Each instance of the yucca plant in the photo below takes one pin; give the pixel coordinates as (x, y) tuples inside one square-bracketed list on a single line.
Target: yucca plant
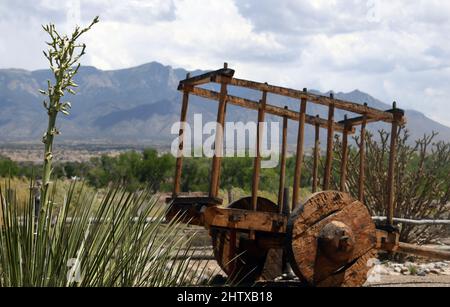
[(123, 241)]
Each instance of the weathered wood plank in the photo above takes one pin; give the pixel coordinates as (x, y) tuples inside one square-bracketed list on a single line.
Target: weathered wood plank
[(257, 161), (218, 145), (413, 222), (270, 109), (316, 155), (356, 121), (329, 154), (427, 252), (391, 171), (299, 155), (245, 220), (362, 161), (344, 161), (207, 77), (179, 163), (322, 100), (283, 165)]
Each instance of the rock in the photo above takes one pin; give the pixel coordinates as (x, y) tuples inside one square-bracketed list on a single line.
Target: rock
[(397, 269), (421, 273), (435, 271), (405, 271), (380, 270), (440, 265)]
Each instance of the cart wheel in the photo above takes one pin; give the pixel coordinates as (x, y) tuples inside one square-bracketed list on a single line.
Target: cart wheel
[(245, 262), (331, 239)]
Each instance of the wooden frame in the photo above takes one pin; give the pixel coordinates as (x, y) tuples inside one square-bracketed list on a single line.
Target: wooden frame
[(366, 115), (270, 228)]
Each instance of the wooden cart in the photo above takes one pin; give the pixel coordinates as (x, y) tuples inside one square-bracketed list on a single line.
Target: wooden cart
[(330, 239)]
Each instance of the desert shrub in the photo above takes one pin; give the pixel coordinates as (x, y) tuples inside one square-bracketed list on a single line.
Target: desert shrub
[(422, 181)]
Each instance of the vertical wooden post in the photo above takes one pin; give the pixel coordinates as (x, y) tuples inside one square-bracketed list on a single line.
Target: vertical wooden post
[(362, 160), (316, 157), (283, 164), (391, 172), (330, 141), (299, 157), (218, 145), (179, 163), (344, 157), (232, 253), (230, 195), (286, 203), (257, 161)]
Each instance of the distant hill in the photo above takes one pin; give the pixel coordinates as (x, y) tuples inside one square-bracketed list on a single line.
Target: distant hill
[(139, 105)]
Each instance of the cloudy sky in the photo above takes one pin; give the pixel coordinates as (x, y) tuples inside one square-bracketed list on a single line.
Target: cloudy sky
[(392, 49)]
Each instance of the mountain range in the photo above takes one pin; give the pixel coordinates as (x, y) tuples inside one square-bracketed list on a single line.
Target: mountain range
[(139, 105)]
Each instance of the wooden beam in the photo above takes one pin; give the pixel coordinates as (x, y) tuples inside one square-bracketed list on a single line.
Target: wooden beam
[(218, 144), (316, 155), (317, 99), (387, 241), (190, 209), (270, 109), (257, 161), (245, 220), (283, 164), (330, 142), (362, 161), (179, 163), (413, 222), (208, 77), (344, 161), (427, 252), (390, 188), (356, 121), (299, 155)]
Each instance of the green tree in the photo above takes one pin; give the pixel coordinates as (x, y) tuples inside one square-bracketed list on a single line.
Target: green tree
[(156, 170), (8, 167)]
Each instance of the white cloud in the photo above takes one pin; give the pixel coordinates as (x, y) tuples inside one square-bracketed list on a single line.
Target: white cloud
[(393, 49)]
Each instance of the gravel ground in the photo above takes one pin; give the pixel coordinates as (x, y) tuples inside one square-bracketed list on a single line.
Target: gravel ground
[(412, 281), (390, 279)]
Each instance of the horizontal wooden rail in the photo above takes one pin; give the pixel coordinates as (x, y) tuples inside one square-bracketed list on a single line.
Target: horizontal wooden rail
[(317, 99), (245, 220), (207, 77), (427, 252), (356, 121), (270, 109), (413, 222)]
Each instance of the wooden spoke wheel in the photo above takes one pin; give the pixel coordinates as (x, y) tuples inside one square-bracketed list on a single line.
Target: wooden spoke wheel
[(245, 261), (331, 240)]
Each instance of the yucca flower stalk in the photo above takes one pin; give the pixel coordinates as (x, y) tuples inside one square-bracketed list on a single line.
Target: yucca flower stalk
[(63, 55)]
